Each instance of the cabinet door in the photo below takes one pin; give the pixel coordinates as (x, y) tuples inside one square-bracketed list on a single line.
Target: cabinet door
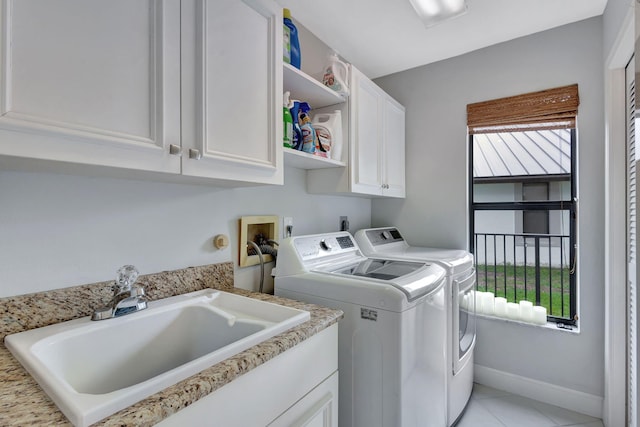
[(91, 82), (232, 90), (366, 136), (394, 151), (319, 408)]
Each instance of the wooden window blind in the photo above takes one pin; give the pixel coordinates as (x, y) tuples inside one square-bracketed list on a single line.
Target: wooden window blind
[(548, 109)]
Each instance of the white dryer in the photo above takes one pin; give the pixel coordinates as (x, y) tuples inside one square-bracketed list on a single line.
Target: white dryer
[(391, 348), (461, 326)]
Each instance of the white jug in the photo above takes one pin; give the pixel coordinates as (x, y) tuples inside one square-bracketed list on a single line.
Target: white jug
[(328, 126), (336, 75)]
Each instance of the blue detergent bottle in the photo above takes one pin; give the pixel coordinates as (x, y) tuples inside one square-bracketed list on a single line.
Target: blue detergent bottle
[(294, 44), (297, 131)]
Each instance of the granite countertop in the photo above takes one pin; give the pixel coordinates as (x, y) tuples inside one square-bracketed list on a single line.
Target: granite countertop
[(22, 401)]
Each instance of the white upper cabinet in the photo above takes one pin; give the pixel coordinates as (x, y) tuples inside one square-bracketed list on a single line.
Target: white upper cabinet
[(366, 136), (376, 145), (191, 88), (91, 82), (393, 149), (377, 139), (232, 90)]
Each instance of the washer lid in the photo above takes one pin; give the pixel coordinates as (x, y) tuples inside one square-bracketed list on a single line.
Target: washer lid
[(414, 279), (383, 269)]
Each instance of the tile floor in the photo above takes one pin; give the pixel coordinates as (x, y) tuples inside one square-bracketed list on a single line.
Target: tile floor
[(490, 407)]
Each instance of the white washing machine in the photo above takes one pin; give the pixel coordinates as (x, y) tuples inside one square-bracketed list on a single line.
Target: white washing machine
[(461, 326), (391, 340)]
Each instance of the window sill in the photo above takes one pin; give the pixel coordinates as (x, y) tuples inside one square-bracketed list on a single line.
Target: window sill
[(551, 326)]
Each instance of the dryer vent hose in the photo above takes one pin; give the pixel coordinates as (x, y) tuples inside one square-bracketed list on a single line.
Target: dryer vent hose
[(266, 247)]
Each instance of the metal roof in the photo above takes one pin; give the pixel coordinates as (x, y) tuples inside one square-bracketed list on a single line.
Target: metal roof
[(522, 154)]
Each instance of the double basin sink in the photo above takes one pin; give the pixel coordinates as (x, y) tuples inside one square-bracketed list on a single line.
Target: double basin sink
[(94, 369)]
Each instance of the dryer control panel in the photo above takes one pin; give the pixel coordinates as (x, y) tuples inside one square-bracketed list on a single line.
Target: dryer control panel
[(384, 236)]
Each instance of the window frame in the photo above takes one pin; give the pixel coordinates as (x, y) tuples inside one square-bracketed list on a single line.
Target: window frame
[(549, 205)]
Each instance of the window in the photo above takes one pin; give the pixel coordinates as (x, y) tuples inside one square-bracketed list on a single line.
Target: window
[(522, 198), (535, 222)]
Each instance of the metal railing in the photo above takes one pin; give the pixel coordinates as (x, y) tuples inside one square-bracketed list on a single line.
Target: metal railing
[(533, 267)]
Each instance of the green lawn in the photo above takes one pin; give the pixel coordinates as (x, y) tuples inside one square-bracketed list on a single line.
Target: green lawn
[(554, 285)]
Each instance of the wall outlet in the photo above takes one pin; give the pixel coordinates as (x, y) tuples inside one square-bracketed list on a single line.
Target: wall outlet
[(344, 223), (287, 226)]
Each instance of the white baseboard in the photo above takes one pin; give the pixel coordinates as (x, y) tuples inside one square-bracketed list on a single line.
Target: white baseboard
[(552, 394)]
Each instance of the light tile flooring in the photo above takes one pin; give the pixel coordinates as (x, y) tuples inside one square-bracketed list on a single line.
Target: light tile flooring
[(490, 407)]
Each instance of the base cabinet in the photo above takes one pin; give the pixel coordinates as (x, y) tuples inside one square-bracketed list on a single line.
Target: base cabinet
[(376, 145), (319, 408), (297, 388)]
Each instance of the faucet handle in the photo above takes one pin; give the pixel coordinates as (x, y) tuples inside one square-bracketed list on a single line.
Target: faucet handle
[(127, 276)]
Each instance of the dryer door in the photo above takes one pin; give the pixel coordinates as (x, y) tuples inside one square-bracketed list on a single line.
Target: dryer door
[(464, 320)]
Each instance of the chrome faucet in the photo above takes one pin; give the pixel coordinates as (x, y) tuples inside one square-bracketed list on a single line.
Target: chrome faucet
[(127, 296)]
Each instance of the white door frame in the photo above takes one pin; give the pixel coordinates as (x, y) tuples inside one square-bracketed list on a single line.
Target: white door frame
[(614, 408)]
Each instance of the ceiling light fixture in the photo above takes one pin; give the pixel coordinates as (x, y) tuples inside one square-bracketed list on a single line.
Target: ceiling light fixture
[(433, 12)]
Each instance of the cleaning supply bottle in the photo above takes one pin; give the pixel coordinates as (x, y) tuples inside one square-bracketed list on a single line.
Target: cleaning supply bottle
[(328, 127), (294, 44), (286, 44), (308, 134), (336, 75), (323, 142), (296, 141), (287, 120), (304, 109)]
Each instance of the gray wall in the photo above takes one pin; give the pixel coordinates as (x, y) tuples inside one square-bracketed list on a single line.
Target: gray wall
[(59, 230), (613, 17), (435, 211)]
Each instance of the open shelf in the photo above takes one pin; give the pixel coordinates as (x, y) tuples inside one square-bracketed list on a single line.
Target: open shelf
[(308, 89), (302, 160)]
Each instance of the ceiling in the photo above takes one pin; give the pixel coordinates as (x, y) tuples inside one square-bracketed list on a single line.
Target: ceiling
[(382, 37)]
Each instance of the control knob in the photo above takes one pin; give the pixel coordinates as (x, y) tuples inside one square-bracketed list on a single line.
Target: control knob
[(324, 245)]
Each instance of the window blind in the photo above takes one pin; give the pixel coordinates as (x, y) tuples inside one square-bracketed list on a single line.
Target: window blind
[(548, 109)]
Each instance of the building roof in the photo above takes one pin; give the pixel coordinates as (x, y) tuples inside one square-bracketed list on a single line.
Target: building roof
[(521, 154)]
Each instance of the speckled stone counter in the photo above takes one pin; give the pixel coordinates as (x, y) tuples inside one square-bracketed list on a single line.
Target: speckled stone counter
[(22, 401)]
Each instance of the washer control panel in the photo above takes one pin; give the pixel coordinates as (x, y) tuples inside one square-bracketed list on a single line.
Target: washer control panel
[(384, 236), (319, 246)]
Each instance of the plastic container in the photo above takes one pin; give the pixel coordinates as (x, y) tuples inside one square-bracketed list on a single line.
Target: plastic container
[(336, 75), (286, 44), (287, 121), (295, 56), (296, 141), (308, 134), (304, 110), (328, 127)]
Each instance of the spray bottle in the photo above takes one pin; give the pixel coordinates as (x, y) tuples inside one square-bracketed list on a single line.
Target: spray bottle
[(287, 120), (296, 141)]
